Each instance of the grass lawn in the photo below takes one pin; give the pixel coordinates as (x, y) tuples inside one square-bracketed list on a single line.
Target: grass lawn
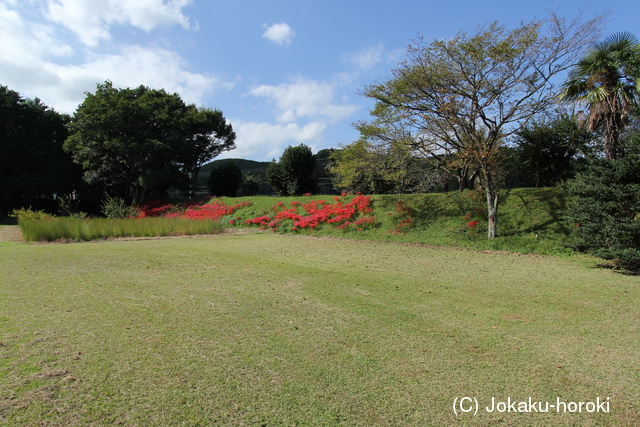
[(268, 330)]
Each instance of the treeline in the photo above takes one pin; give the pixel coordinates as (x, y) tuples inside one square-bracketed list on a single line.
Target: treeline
[(34, 168), (126, 143)]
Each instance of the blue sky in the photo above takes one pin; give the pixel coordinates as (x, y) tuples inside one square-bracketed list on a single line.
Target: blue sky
[(283, 72)]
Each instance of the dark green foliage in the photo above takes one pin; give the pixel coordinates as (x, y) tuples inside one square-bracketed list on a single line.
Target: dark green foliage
[(225, 180), (547, 152), (605, 212), (293, 174), (250, 185), (630, 138), (145, 140), (208, 135), (128, 137), (34, 169)]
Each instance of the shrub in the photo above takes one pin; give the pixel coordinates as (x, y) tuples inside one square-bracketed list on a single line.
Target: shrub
[(605, 210), (115, 207), (69, 207), (29, 214)]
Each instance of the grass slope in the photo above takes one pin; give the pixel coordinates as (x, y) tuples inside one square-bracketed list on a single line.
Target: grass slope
[(530, 219), (268, 330)]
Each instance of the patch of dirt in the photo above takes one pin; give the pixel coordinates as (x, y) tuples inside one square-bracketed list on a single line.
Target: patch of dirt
[(10, 233)]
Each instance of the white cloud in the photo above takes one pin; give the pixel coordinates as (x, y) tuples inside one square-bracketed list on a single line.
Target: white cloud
[(25, 49), (133, 66), (28, 53), (268, 140), (304, 98), (366, 58), (90, 19), (25, 43), (301, 99), (281, 33)]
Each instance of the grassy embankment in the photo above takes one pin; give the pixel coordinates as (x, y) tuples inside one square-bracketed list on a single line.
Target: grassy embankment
[(529, 220), (263, 329)]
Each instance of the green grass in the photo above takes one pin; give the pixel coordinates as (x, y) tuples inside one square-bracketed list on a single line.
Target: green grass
[(264, 329), (79, 229), (530, 220)]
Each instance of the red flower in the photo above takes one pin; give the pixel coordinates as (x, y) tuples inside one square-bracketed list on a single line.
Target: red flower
[(318, 212)]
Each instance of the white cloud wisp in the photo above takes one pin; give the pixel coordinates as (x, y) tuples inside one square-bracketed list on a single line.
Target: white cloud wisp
[(281, 33)]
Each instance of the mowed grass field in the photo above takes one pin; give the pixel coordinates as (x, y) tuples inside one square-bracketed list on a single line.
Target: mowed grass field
[(271, 330)]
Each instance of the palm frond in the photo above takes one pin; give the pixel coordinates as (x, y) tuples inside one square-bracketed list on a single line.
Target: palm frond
[(618, 42)]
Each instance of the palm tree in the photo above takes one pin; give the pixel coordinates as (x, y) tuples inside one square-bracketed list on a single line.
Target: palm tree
[(607, 79)]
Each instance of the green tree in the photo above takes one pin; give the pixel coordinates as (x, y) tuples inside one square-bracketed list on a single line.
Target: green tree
[(389, 132), (225, 180), (364, 167), (607, 79), (386, 159), (466, 94), (293, 174), (34, 169), (208, 135), (605, 209), (547, 151), (354, 168), (144, 139), (250, 185)]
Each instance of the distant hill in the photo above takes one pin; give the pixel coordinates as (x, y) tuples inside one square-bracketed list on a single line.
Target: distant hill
[(260, 168), (246, 166)]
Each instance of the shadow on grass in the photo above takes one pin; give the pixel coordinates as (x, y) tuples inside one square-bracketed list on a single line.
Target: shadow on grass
[(627, 270), (426, 209), (534, 211)]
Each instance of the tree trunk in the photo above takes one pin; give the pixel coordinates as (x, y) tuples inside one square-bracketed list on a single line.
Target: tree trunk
[(193, 184), (138, 193), (492, 204)]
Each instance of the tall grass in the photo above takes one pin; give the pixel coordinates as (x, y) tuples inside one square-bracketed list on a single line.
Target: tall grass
[(84, 229)]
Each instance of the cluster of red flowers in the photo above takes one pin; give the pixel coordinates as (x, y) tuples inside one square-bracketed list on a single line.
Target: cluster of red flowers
[(476, 211), (316, 212), (154, 208), (191, 210), (479, 213), (403, 216)]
